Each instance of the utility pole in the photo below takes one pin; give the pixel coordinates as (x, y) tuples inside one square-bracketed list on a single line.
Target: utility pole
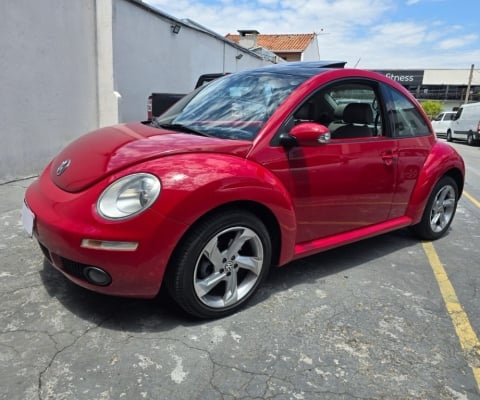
[(467, 95)]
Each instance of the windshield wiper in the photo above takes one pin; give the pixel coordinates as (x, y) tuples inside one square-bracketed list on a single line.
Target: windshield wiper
[(180, 128)]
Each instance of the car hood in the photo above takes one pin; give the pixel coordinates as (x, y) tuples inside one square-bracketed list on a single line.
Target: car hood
[(105, 151)]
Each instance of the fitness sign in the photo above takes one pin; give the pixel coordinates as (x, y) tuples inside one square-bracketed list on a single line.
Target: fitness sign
[(404, 77)]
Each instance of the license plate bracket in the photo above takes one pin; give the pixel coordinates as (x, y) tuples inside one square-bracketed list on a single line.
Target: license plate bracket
[(28, 220)]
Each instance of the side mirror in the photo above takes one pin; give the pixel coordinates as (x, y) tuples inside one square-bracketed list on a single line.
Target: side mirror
[(308, 134)]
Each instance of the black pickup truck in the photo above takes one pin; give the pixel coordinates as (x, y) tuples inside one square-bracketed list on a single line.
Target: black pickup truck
[(160, 102)]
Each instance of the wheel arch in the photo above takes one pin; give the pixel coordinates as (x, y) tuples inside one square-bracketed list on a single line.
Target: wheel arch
[(457, 176), (443, 161), (259, 210)]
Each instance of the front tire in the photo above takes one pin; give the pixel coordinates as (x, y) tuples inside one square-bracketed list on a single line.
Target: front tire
[(219, 264), (439, 211), (449, 136)]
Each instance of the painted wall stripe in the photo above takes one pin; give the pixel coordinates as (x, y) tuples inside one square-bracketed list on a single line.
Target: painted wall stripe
[(468, 339), (471, 198)]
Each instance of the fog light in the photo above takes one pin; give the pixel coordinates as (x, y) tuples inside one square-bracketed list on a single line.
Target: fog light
[(97, 276)]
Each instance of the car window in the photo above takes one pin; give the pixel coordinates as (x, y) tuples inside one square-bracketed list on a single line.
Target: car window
[(348, 109), (405, 119), (450, 116)]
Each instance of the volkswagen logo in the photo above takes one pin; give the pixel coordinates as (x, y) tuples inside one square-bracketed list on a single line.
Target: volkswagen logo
[(63, 166)]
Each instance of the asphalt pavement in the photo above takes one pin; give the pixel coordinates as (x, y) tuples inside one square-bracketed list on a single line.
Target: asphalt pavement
[(365, 321)]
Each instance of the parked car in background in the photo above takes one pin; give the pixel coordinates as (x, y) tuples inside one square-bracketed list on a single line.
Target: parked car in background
[(442, 122), (466, 124), (158, 103), (255, 169)]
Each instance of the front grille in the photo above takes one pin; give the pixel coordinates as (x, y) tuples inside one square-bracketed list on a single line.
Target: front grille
[(89, 273), (74, 268)]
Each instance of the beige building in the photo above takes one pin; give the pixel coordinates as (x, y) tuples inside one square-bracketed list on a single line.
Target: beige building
[(452, 87)]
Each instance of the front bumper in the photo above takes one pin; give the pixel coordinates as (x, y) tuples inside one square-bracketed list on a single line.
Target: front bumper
[(62, 222)]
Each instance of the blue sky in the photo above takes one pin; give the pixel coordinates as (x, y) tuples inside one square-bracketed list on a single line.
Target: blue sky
[(405, 34)]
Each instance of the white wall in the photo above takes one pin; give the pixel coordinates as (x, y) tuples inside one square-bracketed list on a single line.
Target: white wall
[(311, 53), (62, 62), (148, 57), (450, 77), (47, 80)]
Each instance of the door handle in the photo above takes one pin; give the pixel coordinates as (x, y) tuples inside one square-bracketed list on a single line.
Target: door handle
[(388, 157)]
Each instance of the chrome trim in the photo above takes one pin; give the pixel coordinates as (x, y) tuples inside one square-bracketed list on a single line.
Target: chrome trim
[(63, 166)]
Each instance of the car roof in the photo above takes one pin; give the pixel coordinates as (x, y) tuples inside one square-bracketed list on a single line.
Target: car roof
[(302, 68), (468, 105)]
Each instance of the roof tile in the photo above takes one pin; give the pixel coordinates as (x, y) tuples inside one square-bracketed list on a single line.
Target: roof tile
[(281, 42)]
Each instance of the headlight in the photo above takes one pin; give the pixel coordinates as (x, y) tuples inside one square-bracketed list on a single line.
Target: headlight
[(128, 196)]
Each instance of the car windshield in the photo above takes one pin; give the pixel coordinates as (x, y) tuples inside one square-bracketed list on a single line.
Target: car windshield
[(233, 107)]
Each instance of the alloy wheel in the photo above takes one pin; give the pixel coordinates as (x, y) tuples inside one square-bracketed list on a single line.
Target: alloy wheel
[(443, 208), (228, 267)]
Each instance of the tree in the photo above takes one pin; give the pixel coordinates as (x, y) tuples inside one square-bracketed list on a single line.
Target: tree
[(432, 108)]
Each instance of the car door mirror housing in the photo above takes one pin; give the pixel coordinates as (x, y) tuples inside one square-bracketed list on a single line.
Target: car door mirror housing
[(310, 134)]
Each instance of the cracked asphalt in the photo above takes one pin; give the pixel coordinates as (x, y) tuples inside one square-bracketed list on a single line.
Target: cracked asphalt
[(366, 321)]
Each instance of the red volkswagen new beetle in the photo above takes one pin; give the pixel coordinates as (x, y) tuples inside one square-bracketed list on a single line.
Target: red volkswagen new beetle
[(257, 168)]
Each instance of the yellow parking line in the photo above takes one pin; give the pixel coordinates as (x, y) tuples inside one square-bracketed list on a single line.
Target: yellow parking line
[(468, 339), (472, 199)]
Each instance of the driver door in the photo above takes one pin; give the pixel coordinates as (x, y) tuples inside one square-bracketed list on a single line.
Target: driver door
[(348, 183)]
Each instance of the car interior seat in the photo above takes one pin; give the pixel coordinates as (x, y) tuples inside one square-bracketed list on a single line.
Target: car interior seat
[(338, 118), (356, 117)]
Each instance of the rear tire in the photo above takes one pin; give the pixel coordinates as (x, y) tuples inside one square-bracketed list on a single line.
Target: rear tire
[(439, 211), (219, 264), (470, 140)]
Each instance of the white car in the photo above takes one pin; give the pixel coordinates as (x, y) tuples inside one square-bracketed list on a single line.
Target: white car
[(466, 124), (442, 122)]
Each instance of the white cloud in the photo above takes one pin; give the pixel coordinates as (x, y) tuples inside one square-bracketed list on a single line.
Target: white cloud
[(367, 30), (458, 42), (401, 33), (268, 2), (298, 17)]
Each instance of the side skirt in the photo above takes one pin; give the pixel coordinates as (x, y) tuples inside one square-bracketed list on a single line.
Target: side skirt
[(330, 242)]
